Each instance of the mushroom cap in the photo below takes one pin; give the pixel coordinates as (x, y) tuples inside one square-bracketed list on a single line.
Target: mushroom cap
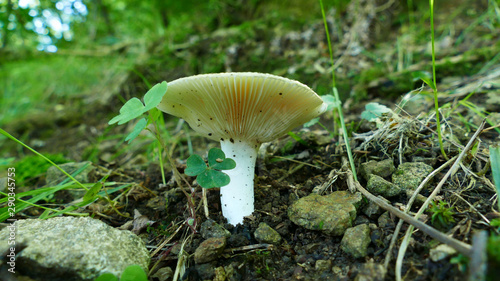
[(245, 106)]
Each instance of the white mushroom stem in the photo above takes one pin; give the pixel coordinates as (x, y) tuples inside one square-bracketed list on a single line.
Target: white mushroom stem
[(237, 198)]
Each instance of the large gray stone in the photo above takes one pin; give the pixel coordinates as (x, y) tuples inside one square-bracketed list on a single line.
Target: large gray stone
[(331, 214), (55, 176), (70, 248)]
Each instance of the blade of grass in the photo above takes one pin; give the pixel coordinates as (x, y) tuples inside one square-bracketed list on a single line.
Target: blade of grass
[(495, 168), (336, 95), (434, 87), (41, 155)]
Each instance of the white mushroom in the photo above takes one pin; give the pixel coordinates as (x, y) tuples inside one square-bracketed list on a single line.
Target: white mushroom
[(242, 111)]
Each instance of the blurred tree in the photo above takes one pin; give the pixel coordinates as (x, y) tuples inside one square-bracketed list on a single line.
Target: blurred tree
[(40, 24)]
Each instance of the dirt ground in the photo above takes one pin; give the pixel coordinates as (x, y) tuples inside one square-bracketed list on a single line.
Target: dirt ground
[(289, 169)]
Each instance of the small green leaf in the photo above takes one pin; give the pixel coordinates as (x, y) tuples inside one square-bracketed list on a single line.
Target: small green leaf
[(91, 194), (212, 178), (215, 155), (154, 95), (311, 122), (154, 114), (219, 178), (137, 130), (205, 180), (132, 109), (495, 167), (134, 273), (424, 76), (373, 111), (106, 277), (195, 165), (330, 101), (226, 164)]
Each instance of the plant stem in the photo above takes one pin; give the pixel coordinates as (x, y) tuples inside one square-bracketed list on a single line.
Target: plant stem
[(334, 83), (434, 86), (237, 198), (44, 158), (160, 158), (336, 95), (346, 138)]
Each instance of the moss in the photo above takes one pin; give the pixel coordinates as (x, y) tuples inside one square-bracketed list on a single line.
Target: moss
[(32, 166)]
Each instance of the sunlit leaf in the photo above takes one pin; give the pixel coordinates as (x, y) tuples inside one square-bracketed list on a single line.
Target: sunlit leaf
[(330, 101), (91, 194), (154, 114), (495, 166), (137, 130), (106, 277), (132, 109), (373, 111), (154, 95), (134, 273), (424, 76), (311, 122)]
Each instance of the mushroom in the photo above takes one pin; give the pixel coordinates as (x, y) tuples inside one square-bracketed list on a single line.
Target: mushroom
[(242, 110)]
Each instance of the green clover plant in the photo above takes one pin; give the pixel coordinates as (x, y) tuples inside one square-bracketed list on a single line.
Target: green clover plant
[(132, 273), (134, 108), (210, 176)]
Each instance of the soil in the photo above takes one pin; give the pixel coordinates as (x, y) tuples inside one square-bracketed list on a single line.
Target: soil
[(289, 170)]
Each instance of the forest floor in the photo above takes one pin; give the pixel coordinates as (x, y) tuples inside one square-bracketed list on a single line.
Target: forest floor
[(289, 169)]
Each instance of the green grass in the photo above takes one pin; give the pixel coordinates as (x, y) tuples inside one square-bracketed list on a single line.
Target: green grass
[(40, 84)]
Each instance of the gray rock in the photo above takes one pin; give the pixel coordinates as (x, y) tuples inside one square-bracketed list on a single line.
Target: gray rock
[(385, 221), (356, 240), (431, 161), (323, 265), (266, 234), (164, 274), (382, 168), (332, 214), (206, 271), (371, 209), (410, 175), (210, 229), (378, 186), (371, 271), (69, 248), (54, 176), (209, 250), (441, 252)]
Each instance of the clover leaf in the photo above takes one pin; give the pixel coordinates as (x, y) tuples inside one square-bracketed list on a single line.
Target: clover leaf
[(210, 176), (374, 111), (134, 108)]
